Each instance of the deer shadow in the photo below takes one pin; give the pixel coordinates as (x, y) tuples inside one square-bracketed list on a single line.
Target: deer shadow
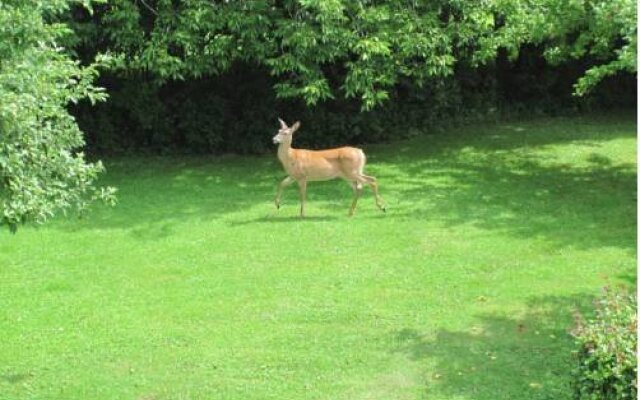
[(273, 218)]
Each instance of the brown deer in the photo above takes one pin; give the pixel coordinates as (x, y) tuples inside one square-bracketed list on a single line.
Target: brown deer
[(303, 166)]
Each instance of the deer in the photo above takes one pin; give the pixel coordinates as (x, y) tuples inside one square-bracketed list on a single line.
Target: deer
[(304, 166)]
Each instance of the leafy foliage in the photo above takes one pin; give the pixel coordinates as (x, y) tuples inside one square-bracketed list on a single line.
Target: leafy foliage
[(236, 112), (321, 49), (607, 368), (40, 170), (203, 76), (603, 30)]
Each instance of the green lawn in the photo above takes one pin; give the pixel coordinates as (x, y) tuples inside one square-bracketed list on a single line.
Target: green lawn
[(195, 287)]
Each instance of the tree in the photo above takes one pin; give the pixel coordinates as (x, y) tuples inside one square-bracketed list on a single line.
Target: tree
[(604, 32), (320, 49), (41, 169)]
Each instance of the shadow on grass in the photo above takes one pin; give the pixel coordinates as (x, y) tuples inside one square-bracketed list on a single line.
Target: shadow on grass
[(580, 207), (524, 356), (155, 194), (496, 181), (282, 219), (488, 176), (629, 278), (15, 378)]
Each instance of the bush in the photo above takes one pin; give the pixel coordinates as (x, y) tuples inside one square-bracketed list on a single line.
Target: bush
[(42, 168), (237, 111), (607, 365)]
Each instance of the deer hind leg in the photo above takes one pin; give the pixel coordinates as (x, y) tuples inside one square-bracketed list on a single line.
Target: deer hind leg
[(357, 191), (303, 194), (373, 183), (285, 182)]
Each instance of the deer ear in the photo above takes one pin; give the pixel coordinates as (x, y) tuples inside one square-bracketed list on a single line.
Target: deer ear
[(283, 125), (296, 126)]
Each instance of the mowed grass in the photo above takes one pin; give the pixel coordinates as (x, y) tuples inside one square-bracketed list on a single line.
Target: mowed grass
[(195, 287)]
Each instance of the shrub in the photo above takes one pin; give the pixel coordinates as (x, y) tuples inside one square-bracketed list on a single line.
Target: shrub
[(607, 364), (42, 168)]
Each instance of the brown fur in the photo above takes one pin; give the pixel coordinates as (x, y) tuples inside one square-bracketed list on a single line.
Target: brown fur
[(304, 166)]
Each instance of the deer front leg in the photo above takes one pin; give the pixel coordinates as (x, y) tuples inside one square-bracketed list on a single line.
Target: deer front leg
[(285, 182), (303, 194)]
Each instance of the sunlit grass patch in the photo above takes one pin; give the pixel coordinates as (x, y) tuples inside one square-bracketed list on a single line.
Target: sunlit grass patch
[(195, 286)]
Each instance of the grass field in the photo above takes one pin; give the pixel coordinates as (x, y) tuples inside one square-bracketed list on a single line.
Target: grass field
[(195, 287)]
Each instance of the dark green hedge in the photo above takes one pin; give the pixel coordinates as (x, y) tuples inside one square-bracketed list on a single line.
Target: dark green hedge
[(237, 112)]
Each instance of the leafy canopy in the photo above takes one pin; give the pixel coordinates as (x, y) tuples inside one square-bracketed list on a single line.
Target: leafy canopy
[(322, 48)]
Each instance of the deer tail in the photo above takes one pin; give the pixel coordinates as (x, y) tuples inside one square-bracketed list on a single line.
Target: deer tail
[(363, 161)]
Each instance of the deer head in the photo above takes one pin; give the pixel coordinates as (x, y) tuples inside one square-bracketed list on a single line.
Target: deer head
[(285, 132)]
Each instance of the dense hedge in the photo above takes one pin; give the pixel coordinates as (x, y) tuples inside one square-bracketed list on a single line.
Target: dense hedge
[(607, 365), (213, 76), (236, 112)]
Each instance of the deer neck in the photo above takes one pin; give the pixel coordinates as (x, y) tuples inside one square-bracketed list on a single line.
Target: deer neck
[(285, 152)]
